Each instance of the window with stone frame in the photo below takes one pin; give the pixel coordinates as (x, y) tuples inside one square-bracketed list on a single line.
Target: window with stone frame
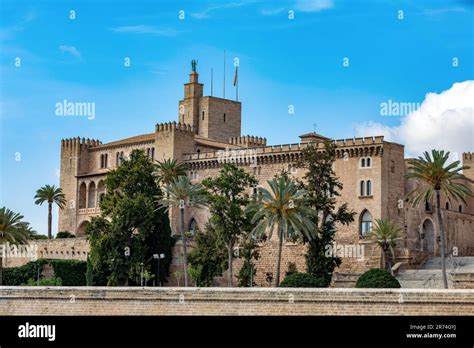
[(365, 223)]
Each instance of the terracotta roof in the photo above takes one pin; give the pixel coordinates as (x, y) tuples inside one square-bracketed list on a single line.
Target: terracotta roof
[(314, 135), (214, 143), (131, 140)]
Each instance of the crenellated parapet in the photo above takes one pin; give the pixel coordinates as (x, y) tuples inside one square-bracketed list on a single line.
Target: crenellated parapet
[(359, 147), (173, 126), (286, 153), (467, 156), (78, 144), (248, 141)]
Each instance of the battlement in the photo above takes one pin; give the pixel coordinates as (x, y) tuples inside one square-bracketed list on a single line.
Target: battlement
[(359, 141), (171, 126), (248, 141), (467, 156), (275, 149), (76, 143)]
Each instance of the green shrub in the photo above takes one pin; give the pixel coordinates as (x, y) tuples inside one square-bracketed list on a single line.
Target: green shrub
[(65, 234), (302, 280), (20, 275), (45, 282), (71, 272), (377, 278)]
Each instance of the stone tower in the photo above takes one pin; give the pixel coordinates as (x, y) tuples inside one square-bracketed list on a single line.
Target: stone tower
[(210, 117), (468, 160), (74, 161)]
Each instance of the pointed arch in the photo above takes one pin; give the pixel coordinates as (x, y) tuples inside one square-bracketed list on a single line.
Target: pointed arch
[(365, 223)]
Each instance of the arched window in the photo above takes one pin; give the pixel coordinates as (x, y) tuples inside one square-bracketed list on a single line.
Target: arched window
[(447, 205), (152, 153), (82, 196), (203, 115), (193, 227), (100, 192), (91, 199), (102, 161), (106, 160), (369, 188), (362, 188), (117, 159), (428, 205), (368, 164), (365, 223), (460, 208), (362, 162)]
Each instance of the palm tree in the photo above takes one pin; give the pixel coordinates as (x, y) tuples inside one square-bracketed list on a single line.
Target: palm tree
[(284, 206), (438, 176), (50, 194), (181, 193), (385, 234), (12, 230), (168, 170)]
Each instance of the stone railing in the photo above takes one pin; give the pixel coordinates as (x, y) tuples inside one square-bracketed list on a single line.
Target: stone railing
[(233, 301)]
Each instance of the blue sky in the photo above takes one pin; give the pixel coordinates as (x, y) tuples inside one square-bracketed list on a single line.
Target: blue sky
[(283, 62)]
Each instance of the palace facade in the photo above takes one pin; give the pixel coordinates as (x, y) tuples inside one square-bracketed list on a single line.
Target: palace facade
[(207, 134)]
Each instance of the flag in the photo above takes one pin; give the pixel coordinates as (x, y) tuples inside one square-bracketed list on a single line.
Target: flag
[(236, 75)]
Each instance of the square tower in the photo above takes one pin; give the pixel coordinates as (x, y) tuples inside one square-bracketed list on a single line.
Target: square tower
[(210, 117)]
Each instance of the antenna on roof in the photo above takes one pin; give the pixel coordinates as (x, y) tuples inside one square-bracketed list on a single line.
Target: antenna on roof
[(224, 74), (212, 81)]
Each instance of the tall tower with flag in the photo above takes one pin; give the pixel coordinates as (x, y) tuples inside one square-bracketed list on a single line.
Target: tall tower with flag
[(211, 117)]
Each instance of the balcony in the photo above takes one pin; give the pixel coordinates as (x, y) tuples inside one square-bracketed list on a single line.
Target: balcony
[(88, 211)]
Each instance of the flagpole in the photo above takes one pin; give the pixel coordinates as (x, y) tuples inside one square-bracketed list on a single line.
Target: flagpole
[(224, 74), (237, 85)]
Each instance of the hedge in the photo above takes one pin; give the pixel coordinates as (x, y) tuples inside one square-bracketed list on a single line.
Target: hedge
[(71, 272), (377, 278), (302, 280)]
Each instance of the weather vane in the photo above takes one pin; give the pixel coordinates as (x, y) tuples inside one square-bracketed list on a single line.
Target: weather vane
[(193, 65)]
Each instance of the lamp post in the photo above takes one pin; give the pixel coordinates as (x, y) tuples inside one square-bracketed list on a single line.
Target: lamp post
[(141, 274), (158, 257)]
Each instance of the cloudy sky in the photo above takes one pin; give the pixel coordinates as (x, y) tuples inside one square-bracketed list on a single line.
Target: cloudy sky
[(337, 62)]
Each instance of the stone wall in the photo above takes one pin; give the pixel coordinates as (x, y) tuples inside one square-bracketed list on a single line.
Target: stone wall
[(232, 301), (55, 249)]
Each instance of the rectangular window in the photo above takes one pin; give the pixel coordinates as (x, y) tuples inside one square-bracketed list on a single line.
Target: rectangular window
[(224, 118)]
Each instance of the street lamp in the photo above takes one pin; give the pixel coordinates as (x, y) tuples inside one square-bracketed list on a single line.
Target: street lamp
[(158, 257), (141, 278)]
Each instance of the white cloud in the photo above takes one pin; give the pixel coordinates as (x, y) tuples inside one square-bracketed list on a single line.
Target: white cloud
[(444, 10), (145, 29), (444, 121), (272, 11), (313, 5), (10, 32), (206, 12), (71, 50)]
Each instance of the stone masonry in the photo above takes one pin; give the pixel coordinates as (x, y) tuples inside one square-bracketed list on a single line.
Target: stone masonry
[(208, 134)]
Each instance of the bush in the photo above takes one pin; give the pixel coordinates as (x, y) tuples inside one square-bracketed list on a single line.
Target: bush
[(302, 280), (377, 278), (20, 275), (45, 282), (65, 234), (71, 272)]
